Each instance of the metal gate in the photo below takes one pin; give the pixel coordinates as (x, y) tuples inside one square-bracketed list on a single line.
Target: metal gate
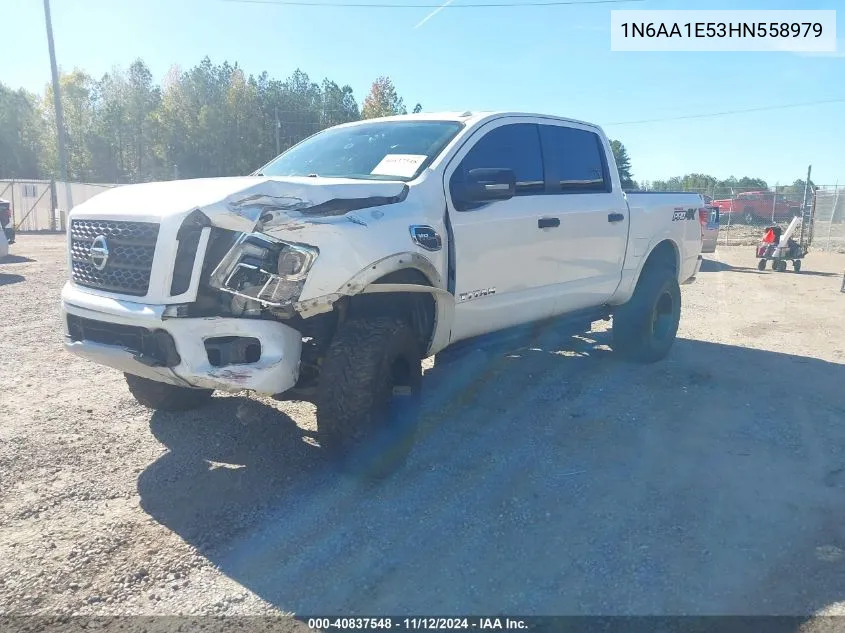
[(41, 205)]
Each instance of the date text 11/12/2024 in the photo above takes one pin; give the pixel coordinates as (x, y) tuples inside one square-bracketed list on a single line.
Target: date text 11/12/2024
[(417, 623)]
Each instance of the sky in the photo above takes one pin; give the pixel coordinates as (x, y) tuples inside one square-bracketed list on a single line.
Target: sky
[(552, 60)]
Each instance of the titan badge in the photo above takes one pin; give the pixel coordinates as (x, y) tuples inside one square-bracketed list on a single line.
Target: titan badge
[(475, 294)]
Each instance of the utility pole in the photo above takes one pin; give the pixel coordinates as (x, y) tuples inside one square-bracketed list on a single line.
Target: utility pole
[(806, 189), (804, 217), (278, 131), (57, 102), (774, 202)]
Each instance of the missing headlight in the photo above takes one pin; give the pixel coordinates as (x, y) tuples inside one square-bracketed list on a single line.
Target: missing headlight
[(260, 268)]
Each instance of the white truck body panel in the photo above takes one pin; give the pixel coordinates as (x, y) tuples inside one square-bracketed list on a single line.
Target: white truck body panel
[(508, 269)]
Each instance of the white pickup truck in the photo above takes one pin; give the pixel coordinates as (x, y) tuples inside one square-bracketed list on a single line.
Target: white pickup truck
[(331, 272)]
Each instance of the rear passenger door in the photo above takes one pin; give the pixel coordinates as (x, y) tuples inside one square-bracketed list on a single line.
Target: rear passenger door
[(593, 214), (503, 274)]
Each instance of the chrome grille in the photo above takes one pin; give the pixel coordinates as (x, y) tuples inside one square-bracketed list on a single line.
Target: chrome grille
[(131, 247)]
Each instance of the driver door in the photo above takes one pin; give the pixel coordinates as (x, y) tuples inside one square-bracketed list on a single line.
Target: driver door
[(504, 275)]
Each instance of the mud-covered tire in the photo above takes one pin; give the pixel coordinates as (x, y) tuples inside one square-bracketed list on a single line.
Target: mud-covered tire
[(644, 329), (164, 397), (369, 395)]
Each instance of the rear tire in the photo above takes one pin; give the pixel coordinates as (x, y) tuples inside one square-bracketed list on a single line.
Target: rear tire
[(796, 265), (165, 397), (644, 329), (369, 395)]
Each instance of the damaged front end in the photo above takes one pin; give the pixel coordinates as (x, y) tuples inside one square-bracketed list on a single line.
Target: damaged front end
[(262, 272), (226, 264), (265, 270)]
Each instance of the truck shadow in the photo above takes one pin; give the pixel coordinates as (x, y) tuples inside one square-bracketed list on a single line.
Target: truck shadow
[(549, 478)]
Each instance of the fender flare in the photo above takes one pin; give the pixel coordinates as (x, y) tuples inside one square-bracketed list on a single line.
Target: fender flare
[(387, 265), (363, 282), (631, 276)]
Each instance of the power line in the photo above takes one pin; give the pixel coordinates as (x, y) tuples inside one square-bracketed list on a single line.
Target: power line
[(727, 112), (474, 5)]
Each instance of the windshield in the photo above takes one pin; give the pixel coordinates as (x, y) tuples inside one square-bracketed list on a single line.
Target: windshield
[(386, 150)]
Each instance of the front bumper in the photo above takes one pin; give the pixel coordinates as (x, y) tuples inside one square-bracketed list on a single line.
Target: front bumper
[(275, 371)]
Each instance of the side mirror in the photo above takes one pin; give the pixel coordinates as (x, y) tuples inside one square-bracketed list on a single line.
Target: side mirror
[(487, 184)]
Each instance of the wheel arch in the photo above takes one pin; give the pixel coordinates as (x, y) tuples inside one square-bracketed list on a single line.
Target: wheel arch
[(665, 252), (407, 285)]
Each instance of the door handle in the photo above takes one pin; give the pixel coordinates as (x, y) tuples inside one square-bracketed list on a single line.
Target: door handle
[(547, 223), (615, 217)]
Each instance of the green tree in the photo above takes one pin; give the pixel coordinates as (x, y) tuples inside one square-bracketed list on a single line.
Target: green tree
[(623, 164), (21, 133), (382, 100), (209, 120), (78, 91), (338, 105)]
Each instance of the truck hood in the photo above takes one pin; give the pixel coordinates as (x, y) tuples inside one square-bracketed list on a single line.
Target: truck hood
[(244, 203)]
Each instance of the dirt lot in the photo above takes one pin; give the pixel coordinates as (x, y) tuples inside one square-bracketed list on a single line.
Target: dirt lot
[(553, 479)]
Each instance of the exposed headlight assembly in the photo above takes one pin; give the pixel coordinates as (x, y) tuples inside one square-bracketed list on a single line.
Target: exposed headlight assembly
[(263, 269)]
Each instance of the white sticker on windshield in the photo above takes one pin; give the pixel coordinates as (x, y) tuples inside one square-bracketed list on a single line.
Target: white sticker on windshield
[(403, 165)]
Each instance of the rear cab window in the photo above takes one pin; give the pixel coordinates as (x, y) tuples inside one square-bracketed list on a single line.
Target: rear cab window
[(574, 160)]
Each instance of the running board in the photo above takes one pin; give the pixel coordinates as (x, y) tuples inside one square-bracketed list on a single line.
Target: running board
[(575, 322)]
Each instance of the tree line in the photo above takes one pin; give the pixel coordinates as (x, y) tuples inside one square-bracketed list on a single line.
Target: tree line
[(700, 183), (210, 120)]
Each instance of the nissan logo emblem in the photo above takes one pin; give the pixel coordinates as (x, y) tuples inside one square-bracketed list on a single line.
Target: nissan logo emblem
[(99, 254)]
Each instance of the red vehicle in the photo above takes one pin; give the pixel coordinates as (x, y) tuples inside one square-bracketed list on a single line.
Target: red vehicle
[(755, 206)]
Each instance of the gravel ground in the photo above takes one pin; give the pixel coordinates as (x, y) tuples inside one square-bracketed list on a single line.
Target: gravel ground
[(552, 479)]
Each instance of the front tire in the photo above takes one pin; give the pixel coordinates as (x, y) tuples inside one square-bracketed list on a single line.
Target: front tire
[(761, 265), (368, 399), (165, 397), (645, 328)]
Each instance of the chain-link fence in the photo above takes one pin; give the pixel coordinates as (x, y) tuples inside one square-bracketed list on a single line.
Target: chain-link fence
[(830, 219), (745, 212)]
